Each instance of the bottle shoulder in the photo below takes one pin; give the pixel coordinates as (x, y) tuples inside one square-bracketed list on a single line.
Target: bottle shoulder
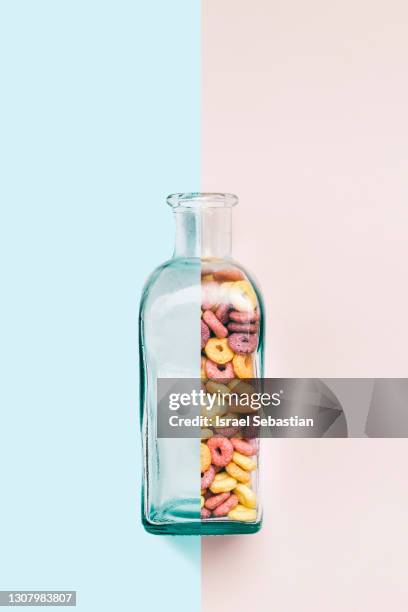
[(171, 276), (184, 275)]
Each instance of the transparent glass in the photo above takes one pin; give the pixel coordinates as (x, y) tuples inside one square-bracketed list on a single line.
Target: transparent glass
[(201, 316)]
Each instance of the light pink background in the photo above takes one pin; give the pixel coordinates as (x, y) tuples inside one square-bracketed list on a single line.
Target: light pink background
[(305, 118)]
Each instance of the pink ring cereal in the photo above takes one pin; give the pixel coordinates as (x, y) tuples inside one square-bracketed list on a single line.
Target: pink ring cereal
[(224, 508), (215, 325), (219, 371), (222, 313), (208, 476), (228, 274), (205, 334), (249, 328), (244, 317), (221, 451), (215, 500), (205, 513), (243, 447), (243, 343)]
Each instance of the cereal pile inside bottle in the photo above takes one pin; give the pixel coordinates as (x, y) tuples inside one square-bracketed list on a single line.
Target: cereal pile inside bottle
[(230, 319)]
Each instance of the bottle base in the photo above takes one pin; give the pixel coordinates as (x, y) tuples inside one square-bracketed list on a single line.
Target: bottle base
[(202, 528)]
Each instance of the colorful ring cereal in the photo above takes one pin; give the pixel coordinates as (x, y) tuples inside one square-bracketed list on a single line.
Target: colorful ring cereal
[(203, 362), (227, 506), (229, 336), (213, 386), (238, 473), (243, 447), (219, 371), (205, 458), (243, 296), (221, 450), (228, 274), (215, 325), (205, 334), (222, 313), (241, 343), (241, 513), (223, 483), (205, 514), (206, 433), (243, 366), (244, 317), (228, 430), (206, 270), (240, 386), (243, 461), (218, 350), (245, 495), (247, 328), (208, 477), (215, 500)]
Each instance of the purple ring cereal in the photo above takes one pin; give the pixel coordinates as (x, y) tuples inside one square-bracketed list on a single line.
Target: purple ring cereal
[(222, 313), (249, 328), (215, 324), (244, 317), (243, 343)]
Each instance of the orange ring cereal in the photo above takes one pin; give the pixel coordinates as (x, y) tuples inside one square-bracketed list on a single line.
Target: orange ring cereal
[(218, 351), (236, 472), (243, 366), (205, 457)]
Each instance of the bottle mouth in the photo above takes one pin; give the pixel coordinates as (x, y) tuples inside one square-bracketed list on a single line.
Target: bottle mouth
[(197, 200)]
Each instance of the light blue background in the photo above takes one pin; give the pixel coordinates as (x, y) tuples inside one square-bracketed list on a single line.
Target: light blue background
[(99, 121)]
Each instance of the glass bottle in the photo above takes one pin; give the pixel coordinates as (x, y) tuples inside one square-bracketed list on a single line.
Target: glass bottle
[(201, 317)]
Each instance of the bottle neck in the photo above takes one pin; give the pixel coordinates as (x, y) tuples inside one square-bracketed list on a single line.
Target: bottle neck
[(204, 232)]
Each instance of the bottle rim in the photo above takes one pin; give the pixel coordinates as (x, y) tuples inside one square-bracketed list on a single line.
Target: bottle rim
[(198, 200)]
